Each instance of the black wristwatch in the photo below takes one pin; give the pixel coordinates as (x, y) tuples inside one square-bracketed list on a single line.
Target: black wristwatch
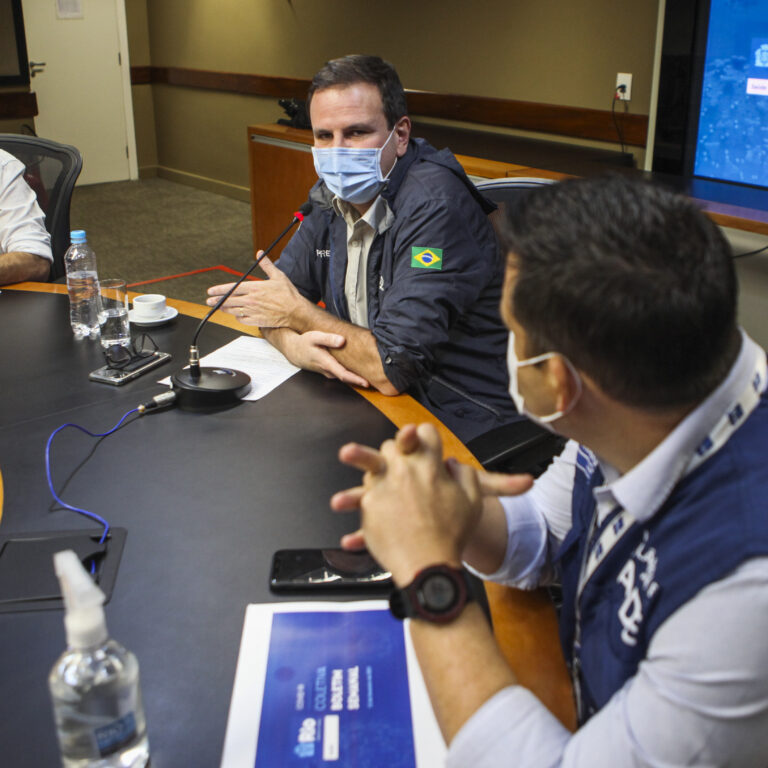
[(437, 593)]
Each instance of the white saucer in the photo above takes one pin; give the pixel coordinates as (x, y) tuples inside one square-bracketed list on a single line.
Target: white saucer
[(169, 314)]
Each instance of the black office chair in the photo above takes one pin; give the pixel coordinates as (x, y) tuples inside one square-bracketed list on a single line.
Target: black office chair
[(508, 191), (521, 446), (52, 170)]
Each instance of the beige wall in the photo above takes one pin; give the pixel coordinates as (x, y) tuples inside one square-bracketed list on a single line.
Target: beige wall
[(551, 51), (201, 135), (15, 126)]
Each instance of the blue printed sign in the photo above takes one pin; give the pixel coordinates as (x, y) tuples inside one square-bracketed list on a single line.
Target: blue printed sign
[(336, 693)]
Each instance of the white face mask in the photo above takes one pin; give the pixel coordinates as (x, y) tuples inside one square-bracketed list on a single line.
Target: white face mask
[(513, 364), (352, 173)]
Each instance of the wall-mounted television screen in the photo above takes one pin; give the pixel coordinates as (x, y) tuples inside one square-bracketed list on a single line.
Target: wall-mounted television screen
[(712, 115), (732, 135)]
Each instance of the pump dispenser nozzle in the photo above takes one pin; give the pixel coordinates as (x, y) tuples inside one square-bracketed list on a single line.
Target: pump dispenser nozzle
[(83, 600), (94, 684)]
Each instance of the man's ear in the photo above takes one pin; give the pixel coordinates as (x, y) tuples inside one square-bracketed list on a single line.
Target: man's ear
[(402, 134), (560, 377)]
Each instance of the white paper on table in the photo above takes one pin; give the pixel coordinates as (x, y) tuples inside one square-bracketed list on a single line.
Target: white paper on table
[(267, 366), (242, 733)]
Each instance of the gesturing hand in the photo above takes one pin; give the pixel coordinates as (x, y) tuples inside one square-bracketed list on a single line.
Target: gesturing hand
[(266, 303)]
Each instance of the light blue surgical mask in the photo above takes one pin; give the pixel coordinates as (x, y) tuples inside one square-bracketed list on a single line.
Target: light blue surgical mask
[(513, 364), (352, 173)]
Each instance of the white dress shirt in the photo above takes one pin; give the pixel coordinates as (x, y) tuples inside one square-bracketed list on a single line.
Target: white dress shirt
[(700, 697), (22, 223)]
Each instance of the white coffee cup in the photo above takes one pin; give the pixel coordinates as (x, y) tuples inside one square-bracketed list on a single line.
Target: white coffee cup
[(149, 306)]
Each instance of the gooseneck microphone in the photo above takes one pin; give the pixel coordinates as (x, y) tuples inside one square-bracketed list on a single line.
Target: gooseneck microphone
[(201, 389)]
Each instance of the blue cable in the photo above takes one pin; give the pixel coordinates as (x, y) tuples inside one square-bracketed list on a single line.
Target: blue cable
[(64, 504)]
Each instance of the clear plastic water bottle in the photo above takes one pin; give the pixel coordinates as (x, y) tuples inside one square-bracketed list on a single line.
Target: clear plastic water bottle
[(83, 287), (94, 684)]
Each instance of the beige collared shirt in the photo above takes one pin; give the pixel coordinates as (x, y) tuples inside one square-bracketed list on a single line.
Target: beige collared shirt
[(361, 230)]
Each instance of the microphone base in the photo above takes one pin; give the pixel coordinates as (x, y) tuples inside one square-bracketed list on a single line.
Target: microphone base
[(214, 388)]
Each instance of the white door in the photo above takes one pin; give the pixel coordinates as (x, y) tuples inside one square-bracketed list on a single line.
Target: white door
[(83, 91)]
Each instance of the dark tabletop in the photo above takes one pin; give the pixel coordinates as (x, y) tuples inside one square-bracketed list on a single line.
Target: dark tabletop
[(205, 498)]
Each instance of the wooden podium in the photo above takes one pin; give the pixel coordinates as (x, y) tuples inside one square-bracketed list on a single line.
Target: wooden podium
[(281, 173)]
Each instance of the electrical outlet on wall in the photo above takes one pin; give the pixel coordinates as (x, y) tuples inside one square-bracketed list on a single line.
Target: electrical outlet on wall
[(625, 79)]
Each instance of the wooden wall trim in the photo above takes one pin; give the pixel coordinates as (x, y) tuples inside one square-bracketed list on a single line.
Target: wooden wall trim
[(578, 122), (232, 82), (141, 75), (594, 124), (17, 105)]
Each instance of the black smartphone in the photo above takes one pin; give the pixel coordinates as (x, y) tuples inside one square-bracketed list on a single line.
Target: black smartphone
[(134, 369), (305, 569)]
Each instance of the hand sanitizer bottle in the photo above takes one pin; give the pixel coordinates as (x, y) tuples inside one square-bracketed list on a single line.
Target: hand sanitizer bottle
[(95, 682)]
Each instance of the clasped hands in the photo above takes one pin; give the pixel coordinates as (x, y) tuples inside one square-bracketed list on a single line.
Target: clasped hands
[(416, 508)]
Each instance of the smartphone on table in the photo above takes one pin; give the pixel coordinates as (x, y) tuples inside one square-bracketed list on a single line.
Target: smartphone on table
[(306, 569), (134, 369)]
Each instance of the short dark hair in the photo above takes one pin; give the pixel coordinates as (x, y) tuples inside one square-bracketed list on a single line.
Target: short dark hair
[(357, 68), (629, 280)]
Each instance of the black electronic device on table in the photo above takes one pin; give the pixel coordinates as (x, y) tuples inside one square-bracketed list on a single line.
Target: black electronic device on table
[(117, 376), (307, 569)]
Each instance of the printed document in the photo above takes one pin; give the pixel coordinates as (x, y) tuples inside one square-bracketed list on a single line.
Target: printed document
[(267, 366), (329, 684)]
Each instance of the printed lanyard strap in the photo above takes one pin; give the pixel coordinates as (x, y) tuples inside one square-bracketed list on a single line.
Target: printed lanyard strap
[(718, 436), (605, 542), (732, 419)]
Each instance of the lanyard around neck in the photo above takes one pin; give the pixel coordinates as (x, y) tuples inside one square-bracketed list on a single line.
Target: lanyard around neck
[(733, 417)]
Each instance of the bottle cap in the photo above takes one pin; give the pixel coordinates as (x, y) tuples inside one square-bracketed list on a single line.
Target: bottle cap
[(84, 615), (77, 235)]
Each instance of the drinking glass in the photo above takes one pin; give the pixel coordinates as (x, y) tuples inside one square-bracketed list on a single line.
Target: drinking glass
[(115, 330)]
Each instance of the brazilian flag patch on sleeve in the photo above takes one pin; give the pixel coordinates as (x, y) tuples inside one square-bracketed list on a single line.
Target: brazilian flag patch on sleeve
[(426, 258)]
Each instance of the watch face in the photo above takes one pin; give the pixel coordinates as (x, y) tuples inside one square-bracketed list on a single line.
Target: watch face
[(438, 593)]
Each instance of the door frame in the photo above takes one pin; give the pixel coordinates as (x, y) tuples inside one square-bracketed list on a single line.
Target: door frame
[(130, 125)]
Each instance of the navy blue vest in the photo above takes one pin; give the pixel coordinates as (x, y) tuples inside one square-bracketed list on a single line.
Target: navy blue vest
[(715, 518)]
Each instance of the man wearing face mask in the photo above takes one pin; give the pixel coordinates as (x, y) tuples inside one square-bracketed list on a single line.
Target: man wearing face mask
[(399, 248), (620, 298)]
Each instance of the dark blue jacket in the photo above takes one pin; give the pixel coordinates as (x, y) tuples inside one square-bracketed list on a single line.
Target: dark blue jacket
[(439, 332), (714, 520)]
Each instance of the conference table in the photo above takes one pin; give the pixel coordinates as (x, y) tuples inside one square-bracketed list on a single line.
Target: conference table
[(205, 499)]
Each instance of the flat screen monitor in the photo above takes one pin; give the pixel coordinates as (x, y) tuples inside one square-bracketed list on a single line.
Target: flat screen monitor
[(712, 116), (13, 48), (732, 135)]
